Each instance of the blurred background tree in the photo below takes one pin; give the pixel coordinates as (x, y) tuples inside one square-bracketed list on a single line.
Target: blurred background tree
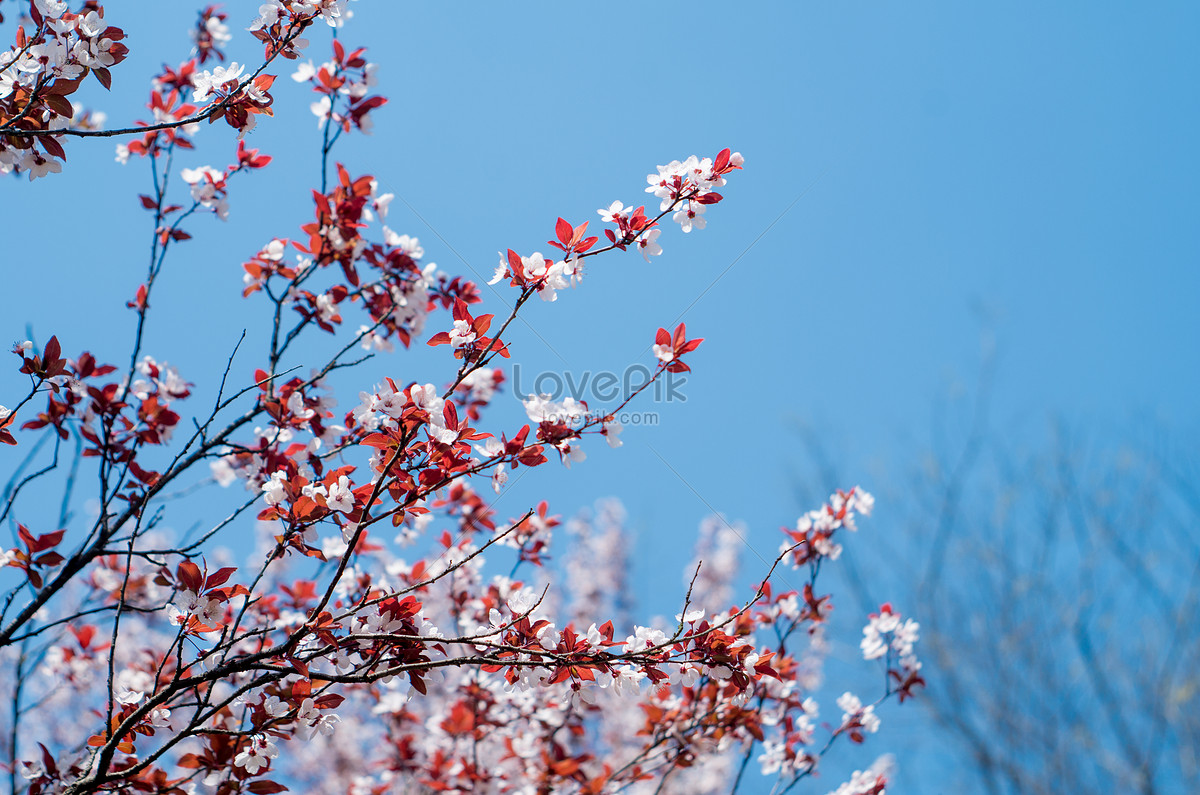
[(1057, 578)]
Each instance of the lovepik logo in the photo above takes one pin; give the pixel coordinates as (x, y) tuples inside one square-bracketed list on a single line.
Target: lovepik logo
[(603, 386)]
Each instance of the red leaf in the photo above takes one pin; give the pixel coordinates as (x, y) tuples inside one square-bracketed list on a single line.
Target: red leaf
[(329, 701), (139, 300), (53, 147), (579, 232), (514, 264), (48, 540), (564, 231), (378, 440), (219, 577), (265, 786), (188, 575), (83, 634), (52, 351), (49, 559)]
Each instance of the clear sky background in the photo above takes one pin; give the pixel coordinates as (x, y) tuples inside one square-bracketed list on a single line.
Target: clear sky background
[(923, 181)]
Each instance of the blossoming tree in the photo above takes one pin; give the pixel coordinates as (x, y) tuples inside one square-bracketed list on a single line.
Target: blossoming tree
[(168, 673)]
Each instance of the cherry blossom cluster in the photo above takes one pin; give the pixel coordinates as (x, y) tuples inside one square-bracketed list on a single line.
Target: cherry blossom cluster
[(687, 186), (545, 276), (467, 337), (891, 637), (211, 33), (173, 118), (813, 538), (114, 419), (685, 189), (240, 99), (690, 187), (856, 718), (199, 602), (872, 781), (38, 74), (276, 17), (44, 67), (293, 407), (344, 85), (221, 92)]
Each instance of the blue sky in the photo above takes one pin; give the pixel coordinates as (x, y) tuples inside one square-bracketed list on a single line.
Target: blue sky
[(923, 181)]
